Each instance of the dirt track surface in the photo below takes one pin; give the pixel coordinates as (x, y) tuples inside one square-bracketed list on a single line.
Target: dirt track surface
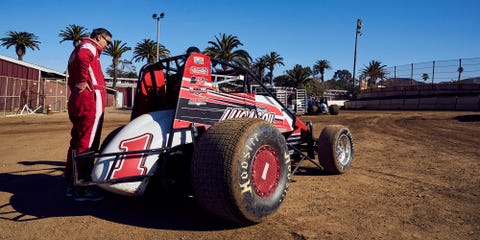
[(415, 176)]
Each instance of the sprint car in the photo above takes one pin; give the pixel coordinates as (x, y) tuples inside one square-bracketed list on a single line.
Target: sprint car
[(196, 122)]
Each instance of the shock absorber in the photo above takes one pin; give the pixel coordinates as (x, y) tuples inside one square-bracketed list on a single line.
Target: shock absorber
[(310, 141)]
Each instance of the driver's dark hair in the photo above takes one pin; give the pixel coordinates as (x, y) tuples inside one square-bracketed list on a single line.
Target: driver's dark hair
[(100, 31), (192, 49)]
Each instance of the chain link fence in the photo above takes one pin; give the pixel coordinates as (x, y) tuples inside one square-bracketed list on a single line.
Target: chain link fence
[(435, 85), (18, 95), (464, 70)]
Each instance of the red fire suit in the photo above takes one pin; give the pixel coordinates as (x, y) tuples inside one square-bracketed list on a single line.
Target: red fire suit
[(85, 108)]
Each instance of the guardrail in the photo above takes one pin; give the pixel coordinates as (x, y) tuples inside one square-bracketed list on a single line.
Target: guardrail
[(438, 97)]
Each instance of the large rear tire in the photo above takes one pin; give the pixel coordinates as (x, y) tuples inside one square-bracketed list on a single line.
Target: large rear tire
[(334, 109), (241, 170), (335, 149)]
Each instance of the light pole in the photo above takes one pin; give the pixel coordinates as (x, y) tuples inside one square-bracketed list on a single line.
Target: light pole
[(157, 17), (359, 27)]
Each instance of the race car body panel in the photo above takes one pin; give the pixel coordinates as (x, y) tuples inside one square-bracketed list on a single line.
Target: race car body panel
[(171, 100), (149, 131), (205, 102)]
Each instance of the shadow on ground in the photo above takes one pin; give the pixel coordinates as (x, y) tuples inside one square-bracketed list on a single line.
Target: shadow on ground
[(40, 193), (468, 118)]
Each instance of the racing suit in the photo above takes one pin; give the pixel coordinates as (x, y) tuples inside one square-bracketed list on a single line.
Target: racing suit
[(85, 107)]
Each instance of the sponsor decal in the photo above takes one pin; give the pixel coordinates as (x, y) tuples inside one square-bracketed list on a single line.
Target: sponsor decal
[(198, 97), (197, 90), (261, 113), (199, 70), (199, 81), (198, 60), (287, 162), (197, 101), (245, 184)]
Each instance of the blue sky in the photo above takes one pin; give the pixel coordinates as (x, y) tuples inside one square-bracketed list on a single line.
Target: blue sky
[(395, 32)]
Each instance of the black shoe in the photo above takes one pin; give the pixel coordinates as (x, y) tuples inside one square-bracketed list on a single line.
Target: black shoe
[(69, 191), (87, 194)]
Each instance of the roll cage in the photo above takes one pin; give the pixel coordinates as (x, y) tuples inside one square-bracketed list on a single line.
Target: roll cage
[(226, 77)]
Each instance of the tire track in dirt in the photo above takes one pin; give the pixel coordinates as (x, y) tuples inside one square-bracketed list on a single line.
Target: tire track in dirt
[(415, 176), (420, 162)]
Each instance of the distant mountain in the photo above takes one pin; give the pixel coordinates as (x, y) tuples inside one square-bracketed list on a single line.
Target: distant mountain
[(401, 82), (410, 82), (475, 80)]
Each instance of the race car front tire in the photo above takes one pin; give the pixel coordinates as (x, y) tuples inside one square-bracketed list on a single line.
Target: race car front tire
[(335, 149)]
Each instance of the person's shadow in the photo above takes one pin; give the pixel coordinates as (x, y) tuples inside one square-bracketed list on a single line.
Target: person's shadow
[(40, 193)]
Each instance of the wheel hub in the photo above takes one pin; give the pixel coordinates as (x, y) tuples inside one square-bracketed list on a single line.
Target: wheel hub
[(265, 171), (344, 150)]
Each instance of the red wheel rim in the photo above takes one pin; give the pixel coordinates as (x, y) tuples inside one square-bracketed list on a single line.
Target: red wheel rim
[(265, 171)]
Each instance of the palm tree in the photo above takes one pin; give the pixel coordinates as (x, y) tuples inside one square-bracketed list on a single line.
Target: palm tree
[(343, 75), (147, 49), (73, 33), (299, 76), (320, 66), (273, 59), (374, 71), (260, 65), (224, 49), (425, 77), (282, 81), (342, 79), (115, 51), (460, 71), (21, 40)]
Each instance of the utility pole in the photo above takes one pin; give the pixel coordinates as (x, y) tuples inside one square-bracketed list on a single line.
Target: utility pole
[(357, 32), (157, 17)]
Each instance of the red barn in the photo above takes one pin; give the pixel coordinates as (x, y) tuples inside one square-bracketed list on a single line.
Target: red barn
[(25, 85)]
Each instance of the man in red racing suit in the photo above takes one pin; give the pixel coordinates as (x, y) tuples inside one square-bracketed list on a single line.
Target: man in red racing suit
[(85, 107)]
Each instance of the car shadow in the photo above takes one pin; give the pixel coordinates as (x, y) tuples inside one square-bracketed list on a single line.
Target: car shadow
[(468, 118), (309, 171), (40, 193)]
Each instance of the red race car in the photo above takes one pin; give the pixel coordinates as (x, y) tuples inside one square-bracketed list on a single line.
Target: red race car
[(198, 123)]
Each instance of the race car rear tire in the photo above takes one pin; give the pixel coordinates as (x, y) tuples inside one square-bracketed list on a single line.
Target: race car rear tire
[(241, 170), (335, 149), (334, 109)]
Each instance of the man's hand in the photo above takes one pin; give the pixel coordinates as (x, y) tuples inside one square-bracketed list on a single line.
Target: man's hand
[(83, 86)]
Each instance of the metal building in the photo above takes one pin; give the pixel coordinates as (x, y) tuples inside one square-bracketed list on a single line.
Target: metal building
[(26, 85)]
